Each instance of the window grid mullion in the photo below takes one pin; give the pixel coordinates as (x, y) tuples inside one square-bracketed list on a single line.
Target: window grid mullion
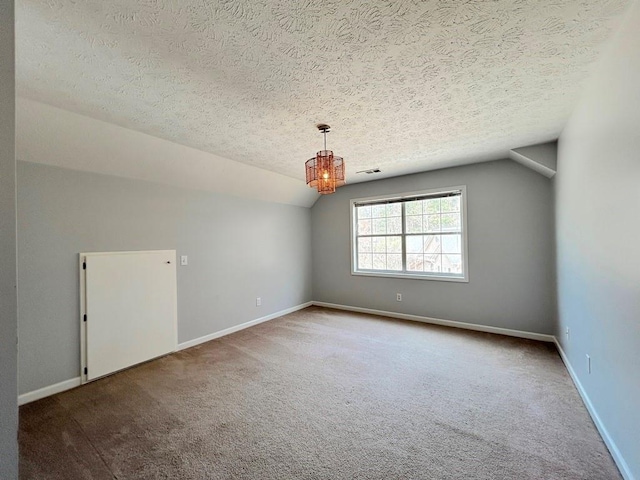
[(404, 238), (425, 233), (356, 247), (380, 235)]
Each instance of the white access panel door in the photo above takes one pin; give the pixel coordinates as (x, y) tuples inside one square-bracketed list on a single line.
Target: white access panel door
[(131, 307)]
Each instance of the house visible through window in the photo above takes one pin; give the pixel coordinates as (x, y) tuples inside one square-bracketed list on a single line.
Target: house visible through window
[(418, 235)]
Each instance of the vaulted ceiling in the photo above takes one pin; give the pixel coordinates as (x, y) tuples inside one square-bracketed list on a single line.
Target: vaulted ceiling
[(406, 85)]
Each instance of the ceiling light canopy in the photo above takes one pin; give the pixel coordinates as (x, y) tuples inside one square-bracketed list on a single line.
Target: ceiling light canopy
[(325, 171)]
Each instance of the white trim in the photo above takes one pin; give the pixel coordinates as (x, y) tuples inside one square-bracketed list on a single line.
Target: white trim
[(426, 276), (48, 391), (534, 165), (77, 381), (447, 323), (414, 275), (613, 449), (242, 326), (415, 193), (83, 310)]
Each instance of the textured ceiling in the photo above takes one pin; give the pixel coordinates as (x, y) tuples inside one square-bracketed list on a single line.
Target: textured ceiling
[(406, 85)]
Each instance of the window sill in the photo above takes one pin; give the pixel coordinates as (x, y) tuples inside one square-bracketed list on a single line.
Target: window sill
[(440, 278)]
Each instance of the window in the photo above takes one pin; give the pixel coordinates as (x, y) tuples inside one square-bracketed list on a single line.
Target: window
[(416, 235)]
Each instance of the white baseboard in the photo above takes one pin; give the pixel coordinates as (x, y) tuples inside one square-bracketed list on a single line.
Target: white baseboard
[(242, 326), (447, 323), (47, 391), (613, 449), (75, 382)]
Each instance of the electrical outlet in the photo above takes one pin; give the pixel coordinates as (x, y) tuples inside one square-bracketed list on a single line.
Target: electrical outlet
[(184, 260), (566, 332), (399, 297), (258, 301), (588, 364)]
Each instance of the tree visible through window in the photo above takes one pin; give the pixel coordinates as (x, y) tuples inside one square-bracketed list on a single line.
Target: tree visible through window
[(419, 234)]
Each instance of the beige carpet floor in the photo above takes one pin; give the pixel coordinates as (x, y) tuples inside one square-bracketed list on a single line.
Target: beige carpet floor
[(324, 394)]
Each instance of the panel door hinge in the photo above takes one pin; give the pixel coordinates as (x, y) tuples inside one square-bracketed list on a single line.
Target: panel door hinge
[(85, 371), (84, 317), (84, 265)]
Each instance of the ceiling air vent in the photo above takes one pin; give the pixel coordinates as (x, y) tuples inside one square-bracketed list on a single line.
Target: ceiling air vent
[(370, 171)]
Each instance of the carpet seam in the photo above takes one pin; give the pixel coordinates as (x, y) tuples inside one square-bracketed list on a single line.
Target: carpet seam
[(113, 475)]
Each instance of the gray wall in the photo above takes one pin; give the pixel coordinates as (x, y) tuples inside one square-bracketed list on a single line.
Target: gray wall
[(8, 312), (238, 250), (510, 233), (598, 239)]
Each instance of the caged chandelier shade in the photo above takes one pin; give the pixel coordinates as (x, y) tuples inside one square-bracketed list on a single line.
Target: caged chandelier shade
[(325, 171)]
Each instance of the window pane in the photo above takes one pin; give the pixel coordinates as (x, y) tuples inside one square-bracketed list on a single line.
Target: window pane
[(364, 245), (451, 244), (413, 208), (394, 210), (379, 226), (450, 222), (394, 225), (432, 263), (364, 212), (365, 261), (432, 244), (414, 262), (379, 244), (378, 211), (394, 261), (451, 204), (394, 245), (414, 243), (432, 205), (364, 227), (432, 223), (414, 224), (419, 236), (379, 261), (452, 263)]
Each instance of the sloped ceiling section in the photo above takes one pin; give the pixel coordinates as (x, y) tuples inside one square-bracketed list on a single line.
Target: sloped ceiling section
[(406, 85), (52, 136)]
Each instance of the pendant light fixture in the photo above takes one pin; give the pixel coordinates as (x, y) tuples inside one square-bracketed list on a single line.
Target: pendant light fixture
[(325, 171)]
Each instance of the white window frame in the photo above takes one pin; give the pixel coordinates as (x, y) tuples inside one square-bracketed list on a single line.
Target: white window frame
[(439, 276)]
